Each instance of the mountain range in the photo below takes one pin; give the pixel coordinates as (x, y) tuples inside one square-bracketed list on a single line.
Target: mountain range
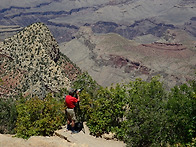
[(113, 40), (129, 18)]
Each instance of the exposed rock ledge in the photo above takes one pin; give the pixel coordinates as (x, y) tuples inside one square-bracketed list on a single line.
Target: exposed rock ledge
[(62, 138)]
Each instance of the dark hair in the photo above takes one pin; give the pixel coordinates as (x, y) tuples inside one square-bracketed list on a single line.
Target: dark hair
[(71, 92)]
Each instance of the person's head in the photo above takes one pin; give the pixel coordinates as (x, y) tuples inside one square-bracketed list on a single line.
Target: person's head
[(71, 92)]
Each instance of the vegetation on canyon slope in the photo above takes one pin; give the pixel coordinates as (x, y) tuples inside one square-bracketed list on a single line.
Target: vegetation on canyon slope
[(140, 113)]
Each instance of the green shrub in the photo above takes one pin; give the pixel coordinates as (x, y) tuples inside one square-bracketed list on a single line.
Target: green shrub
[(144, 118), (39, 117), (8, 115), (181, 113), (108, 110), (88, 95), (86, 106), (144, 113)]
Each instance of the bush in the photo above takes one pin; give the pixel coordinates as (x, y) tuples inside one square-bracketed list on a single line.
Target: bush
[(144, 118), (8, 115), (181, 113), (85, 106), (39, 117), (88, 95), (108, 110), (143, 113)]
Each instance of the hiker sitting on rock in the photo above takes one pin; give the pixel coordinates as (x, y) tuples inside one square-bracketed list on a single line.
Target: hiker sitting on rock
[(70, 102)]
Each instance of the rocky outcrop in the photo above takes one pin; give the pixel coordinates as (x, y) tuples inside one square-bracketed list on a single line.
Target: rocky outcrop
[(32, 64), (168, 50), (166, 46), (35, 141), (62, 138), (120, 62)]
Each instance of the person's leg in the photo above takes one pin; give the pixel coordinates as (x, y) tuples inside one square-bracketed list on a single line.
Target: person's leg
[(72, 123), (68, 120), (73, 119), (68, 125)]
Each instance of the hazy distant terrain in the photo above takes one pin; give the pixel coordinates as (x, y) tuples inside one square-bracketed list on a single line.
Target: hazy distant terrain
[(129, 18), (115, 40)]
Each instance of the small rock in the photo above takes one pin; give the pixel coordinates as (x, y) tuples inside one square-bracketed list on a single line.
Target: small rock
[(109, 136)]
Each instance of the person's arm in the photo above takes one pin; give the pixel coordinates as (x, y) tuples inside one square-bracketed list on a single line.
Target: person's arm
[(77, 92)]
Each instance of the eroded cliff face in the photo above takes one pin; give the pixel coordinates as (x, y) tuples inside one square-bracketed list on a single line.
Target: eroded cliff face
[(110, 58), (32, 64), (129, 18)]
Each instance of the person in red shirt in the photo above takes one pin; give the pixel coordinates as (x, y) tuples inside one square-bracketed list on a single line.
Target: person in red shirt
[(70, 102)]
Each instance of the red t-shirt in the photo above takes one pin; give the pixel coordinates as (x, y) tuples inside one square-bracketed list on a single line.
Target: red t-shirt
[(70, 101)]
